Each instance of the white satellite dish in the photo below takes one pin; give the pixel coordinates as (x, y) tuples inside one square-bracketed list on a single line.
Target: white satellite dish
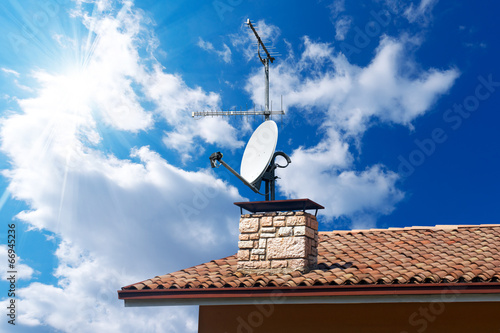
[(258, 161), (259, 152)]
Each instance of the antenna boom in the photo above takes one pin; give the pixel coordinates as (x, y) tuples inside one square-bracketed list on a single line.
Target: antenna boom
[(260, 41)]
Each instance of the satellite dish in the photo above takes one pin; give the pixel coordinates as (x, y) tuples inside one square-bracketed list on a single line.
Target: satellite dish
[(259, 152), (258, 161)]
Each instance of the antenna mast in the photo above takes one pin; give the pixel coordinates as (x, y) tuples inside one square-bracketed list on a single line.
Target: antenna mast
[(265, 61)]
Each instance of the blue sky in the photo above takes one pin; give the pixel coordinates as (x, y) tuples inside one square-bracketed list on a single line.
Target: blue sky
[(392, 113)]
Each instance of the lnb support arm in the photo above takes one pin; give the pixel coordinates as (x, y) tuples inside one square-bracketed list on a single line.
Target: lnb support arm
[(217, 158)]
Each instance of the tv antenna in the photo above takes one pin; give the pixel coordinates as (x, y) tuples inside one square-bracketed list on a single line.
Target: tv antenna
[(265, 59), (259, 158)]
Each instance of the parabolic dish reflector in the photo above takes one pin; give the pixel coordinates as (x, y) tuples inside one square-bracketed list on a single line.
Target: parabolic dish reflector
[(259, 151)]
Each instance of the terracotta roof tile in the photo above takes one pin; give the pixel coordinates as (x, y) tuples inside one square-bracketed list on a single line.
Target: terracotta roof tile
[(377, 256)]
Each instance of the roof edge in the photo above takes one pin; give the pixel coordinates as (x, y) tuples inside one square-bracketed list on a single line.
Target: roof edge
[(211, 295), (451, 298)]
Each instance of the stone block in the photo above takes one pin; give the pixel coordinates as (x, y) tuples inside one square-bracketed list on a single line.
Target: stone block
[(279, 264), (268, 230), (258, 251), (262, 243), (311, 222), (298, 264), (269, 235), (244, 237), (279, 221), (254, 264), (243, 255), (300, 230), (266, 221), (248, 225), (265, 264), (310, 232), (254, 257), (254, 236), (285, 231), (295, 220), (245, 244), (286, 247)]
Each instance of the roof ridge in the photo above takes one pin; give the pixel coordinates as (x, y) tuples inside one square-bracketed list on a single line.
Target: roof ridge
[(436, 227)]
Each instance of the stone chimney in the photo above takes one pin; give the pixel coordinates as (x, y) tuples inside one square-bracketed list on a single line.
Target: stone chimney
[(278, 242)]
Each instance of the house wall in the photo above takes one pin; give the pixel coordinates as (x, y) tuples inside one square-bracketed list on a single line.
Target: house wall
[(431, 317)]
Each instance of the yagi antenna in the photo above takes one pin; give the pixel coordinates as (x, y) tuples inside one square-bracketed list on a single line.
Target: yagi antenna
[(265, 59), (265, 62), (258, 162)]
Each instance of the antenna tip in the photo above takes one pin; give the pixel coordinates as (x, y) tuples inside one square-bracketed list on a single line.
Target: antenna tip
[(248, 21)]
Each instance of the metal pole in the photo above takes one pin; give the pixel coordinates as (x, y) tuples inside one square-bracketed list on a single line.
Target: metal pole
[(266, 71), (273, 188), (267, 189), (272, 184)]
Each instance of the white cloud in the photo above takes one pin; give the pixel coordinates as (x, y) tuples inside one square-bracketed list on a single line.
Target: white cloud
[(175, 102), (325, 174), (16, 81), (342, 26), (126, 222), (64, 41), (315, 52), (349, 99), (114, 67), (421, 13), (10, 71), (225, 54), (390, 88), (120, 220), (85, 300), (337, 7), (23, 271)]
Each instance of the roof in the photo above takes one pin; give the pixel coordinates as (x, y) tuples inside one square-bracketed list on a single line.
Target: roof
[(414, 256)]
